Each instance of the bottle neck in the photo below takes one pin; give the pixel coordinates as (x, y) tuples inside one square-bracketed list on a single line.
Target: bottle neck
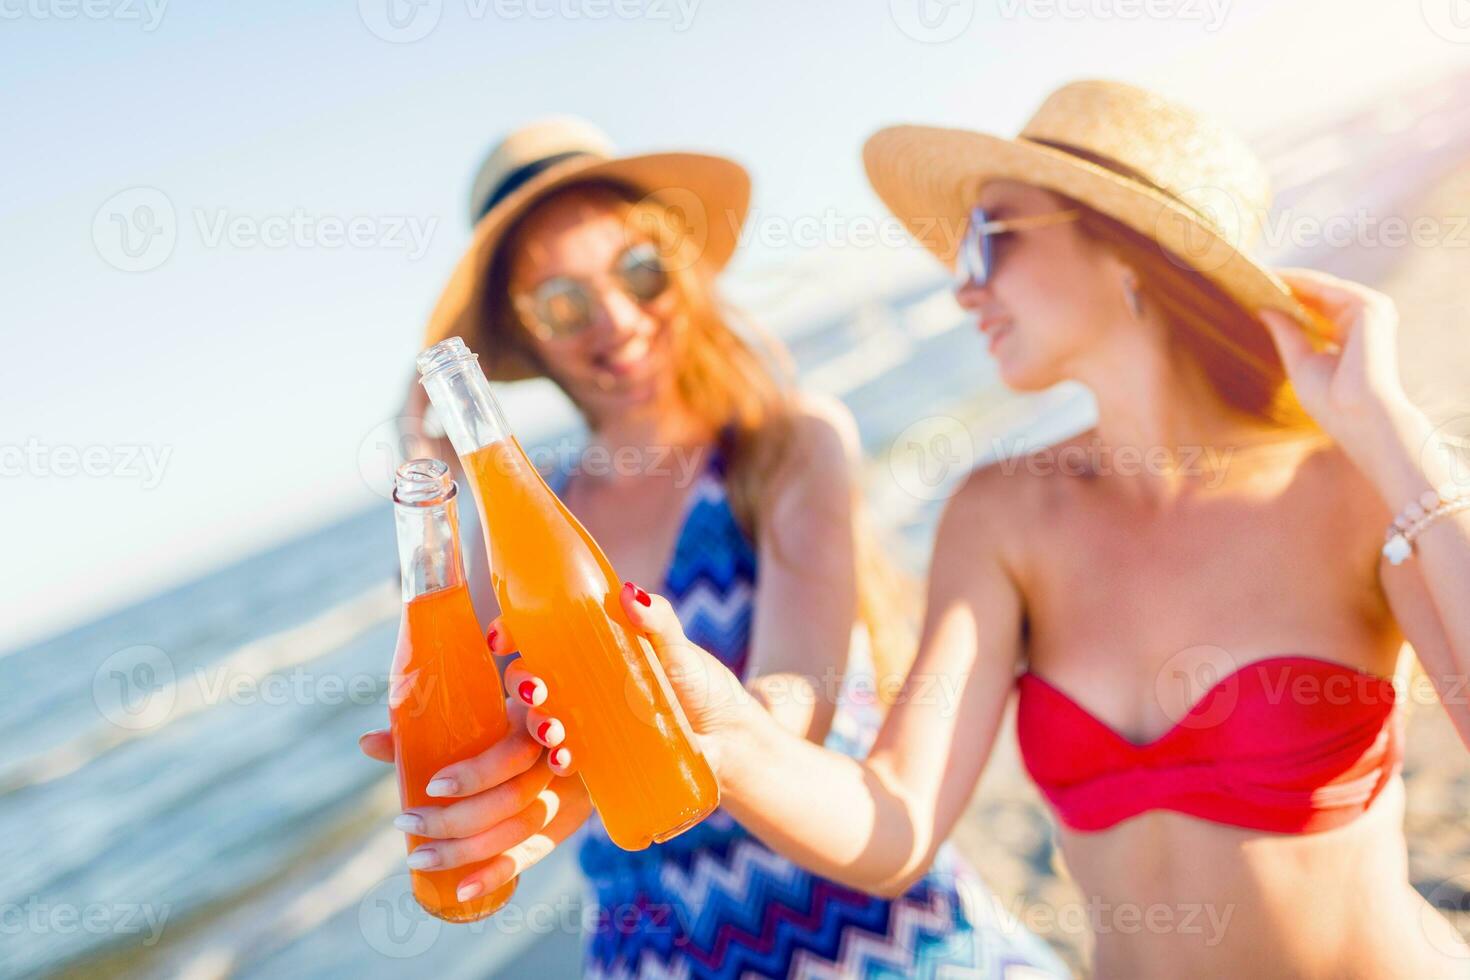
[(461, 396), (428, 547), (427, 519)]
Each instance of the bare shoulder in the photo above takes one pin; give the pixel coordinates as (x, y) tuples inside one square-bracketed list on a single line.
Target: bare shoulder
[(1009, 494), (1329, 476), (821, 447), (815, 470), (822, 430)]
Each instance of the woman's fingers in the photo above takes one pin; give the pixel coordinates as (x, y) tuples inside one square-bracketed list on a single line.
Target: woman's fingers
[(706, 688), (1344, 304), (652, 616), (1338, 300), (561, 761), (507, 758), (474, 814), (493, 840), (499, 639), (377, 744), (545, 728), (571, 808), (1291, 342), (523, 686)]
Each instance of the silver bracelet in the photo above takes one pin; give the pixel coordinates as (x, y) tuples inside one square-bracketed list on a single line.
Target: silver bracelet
[(1415, 518)]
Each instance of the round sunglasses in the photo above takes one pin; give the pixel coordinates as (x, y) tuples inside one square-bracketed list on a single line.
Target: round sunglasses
[(562, 307), (975, 263)]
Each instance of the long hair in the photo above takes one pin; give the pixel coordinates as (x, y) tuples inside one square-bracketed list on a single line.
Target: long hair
[(1228, 342), (738, 382)]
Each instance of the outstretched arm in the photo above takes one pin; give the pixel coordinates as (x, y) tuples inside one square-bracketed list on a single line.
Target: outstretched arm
[(876, 824)]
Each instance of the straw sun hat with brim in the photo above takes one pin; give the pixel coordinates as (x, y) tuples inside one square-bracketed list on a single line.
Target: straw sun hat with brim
[(1163, 170), (711, 194)]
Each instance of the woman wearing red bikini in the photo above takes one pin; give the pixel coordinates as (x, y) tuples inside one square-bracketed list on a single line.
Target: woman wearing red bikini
[(1205, 657)]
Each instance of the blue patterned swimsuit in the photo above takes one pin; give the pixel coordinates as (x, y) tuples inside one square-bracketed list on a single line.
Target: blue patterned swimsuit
[(715, 902)]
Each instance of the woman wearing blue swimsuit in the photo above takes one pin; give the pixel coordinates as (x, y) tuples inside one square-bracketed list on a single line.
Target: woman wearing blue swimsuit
[(708, 475)]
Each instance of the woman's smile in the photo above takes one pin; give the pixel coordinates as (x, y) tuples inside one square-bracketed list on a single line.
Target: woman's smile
[(995, 329), (624, 360)]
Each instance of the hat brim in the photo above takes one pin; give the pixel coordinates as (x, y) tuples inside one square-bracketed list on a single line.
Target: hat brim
[(712, 193), (930, 178)]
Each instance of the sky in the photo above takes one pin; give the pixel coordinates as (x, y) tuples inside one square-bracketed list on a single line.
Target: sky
[(225, 224)]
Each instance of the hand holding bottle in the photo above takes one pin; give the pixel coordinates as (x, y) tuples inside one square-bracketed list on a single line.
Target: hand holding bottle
[(508, 801), (711, 697), (501, 804), (635, 750)]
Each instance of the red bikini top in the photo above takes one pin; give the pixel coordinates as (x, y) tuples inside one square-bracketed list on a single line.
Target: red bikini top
[(1285, 744)]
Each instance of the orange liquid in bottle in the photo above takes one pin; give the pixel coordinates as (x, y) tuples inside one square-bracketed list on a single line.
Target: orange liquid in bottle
[(558, 593), (445, 705)]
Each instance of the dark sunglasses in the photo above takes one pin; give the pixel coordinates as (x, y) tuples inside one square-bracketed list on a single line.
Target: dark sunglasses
[(563, 306), (975, 263)]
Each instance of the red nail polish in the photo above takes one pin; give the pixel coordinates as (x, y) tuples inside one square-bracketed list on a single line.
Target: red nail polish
[(527, 691), (490, 637), (641, 597), (541, 732), (558, 756)]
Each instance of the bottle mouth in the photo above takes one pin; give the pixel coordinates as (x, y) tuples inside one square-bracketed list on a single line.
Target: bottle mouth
[(423, 483), (445, 354)]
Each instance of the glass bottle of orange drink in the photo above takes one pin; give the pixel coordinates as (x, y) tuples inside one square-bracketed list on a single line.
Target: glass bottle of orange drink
[(634, 748), (445, 702)]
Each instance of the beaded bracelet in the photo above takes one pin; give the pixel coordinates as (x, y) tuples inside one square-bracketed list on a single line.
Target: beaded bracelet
[(1415, 518)]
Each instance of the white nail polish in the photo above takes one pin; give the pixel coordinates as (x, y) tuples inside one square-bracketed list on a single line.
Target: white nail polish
[(441, 787), (468, 890), (409, 823), (423, 858)]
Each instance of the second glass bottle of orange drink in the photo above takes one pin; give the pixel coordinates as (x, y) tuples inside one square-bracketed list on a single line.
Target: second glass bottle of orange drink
[(633, 746), (445, 702)]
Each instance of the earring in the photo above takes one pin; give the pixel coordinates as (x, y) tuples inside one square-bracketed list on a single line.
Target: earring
[(1135, 301)]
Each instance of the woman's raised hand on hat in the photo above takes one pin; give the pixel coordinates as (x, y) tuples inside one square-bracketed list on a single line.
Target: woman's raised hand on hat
[(1351, 384)]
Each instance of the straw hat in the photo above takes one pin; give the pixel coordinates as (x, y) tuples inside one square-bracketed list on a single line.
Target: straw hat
[(711, 193), (1159, 168)]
